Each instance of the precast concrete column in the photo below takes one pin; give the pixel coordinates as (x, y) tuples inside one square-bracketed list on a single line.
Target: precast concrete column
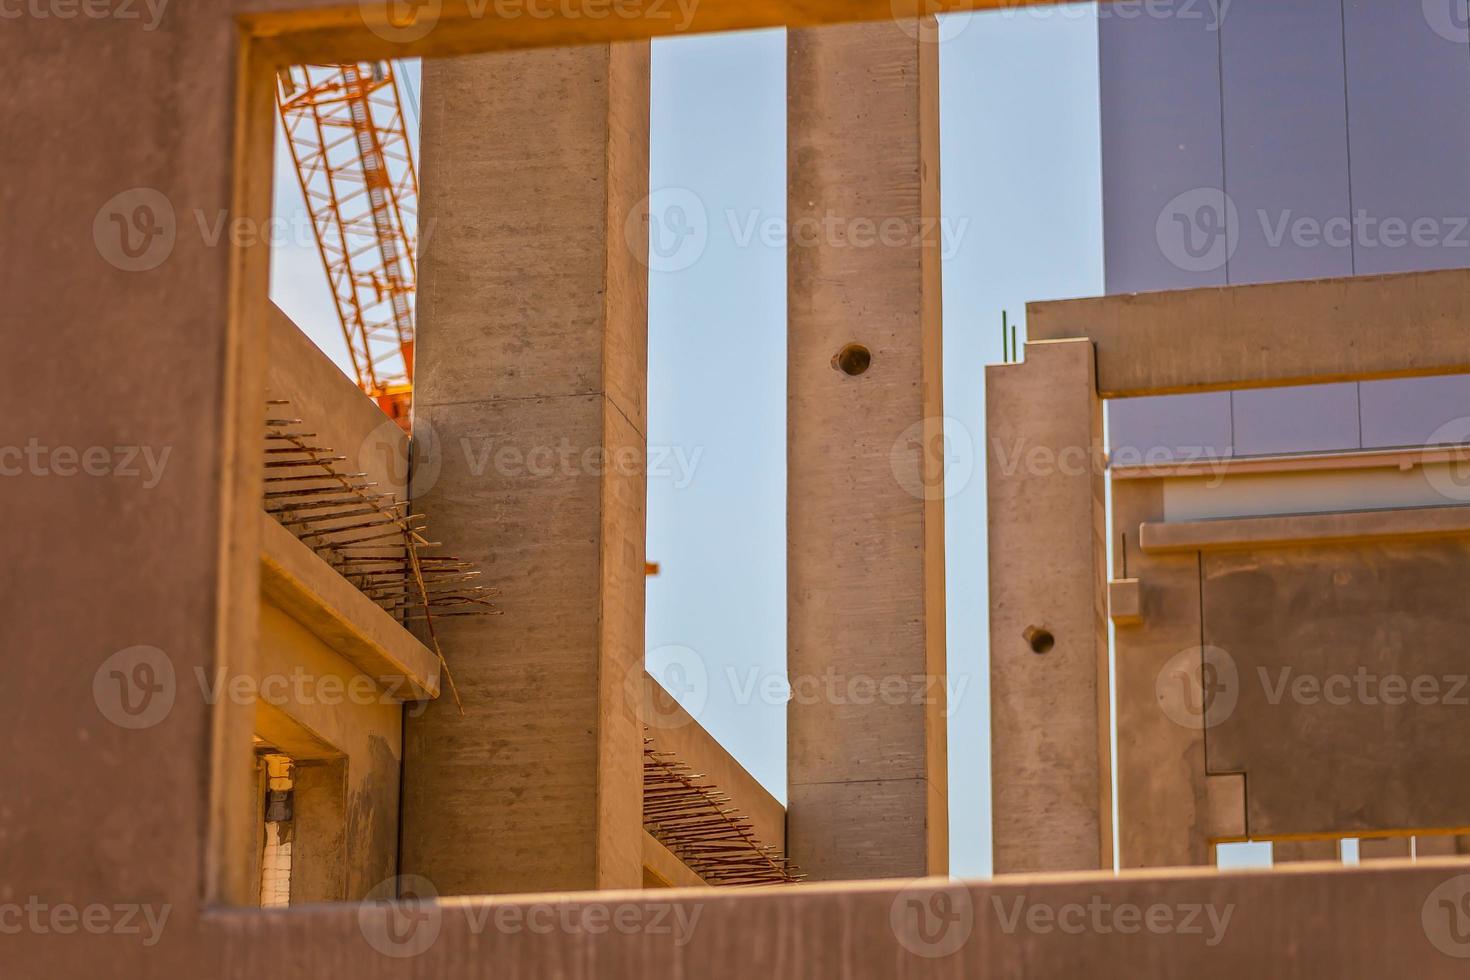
[(865, 563), (530, 440)]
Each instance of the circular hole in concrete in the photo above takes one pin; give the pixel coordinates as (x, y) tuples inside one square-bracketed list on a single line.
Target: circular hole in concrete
[(1041, 640), (853, 360)]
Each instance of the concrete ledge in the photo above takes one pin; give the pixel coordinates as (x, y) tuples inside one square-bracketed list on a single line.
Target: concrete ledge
[(1299, 529), (295, 579), (1125, 602), (1304, 922), (664, 865), (1371, 459), (1354, 329)]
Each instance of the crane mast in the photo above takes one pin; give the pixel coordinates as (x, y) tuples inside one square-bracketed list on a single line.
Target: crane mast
[(345, 128)]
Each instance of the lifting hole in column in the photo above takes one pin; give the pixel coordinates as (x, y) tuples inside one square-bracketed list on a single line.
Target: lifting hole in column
[(1042, 641), (853, 360)]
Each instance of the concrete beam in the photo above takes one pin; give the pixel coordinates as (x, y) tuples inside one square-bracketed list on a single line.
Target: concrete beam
[(1299, 851), (865, 486), (310, 30), (663, 869), (1050, 751), (673, 730), (332, 406), (300, 583), (1169, 811), (1387, 918), (1360, 527), (529, 418), (1384, 848), (1357, 329)]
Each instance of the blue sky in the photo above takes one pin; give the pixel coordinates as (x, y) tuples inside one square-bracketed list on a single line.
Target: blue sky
[(1020, 174)]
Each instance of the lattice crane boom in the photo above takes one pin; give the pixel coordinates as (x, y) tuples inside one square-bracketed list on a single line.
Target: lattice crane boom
[(349, 141)]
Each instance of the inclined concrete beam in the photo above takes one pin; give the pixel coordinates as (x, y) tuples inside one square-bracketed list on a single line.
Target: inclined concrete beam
[(529, 418), (1050, 756), (867, 793), (671, 729), (331, 407), (1357, 329), (663, 869)]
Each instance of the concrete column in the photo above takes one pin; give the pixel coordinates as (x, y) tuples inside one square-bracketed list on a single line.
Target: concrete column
[(865, 590), (1169, 809), (529, 415), (1051, 790)]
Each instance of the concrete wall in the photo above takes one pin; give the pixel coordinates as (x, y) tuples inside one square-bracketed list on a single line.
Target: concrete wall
[(1345, 669), (347, 840), (1302, 111)]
